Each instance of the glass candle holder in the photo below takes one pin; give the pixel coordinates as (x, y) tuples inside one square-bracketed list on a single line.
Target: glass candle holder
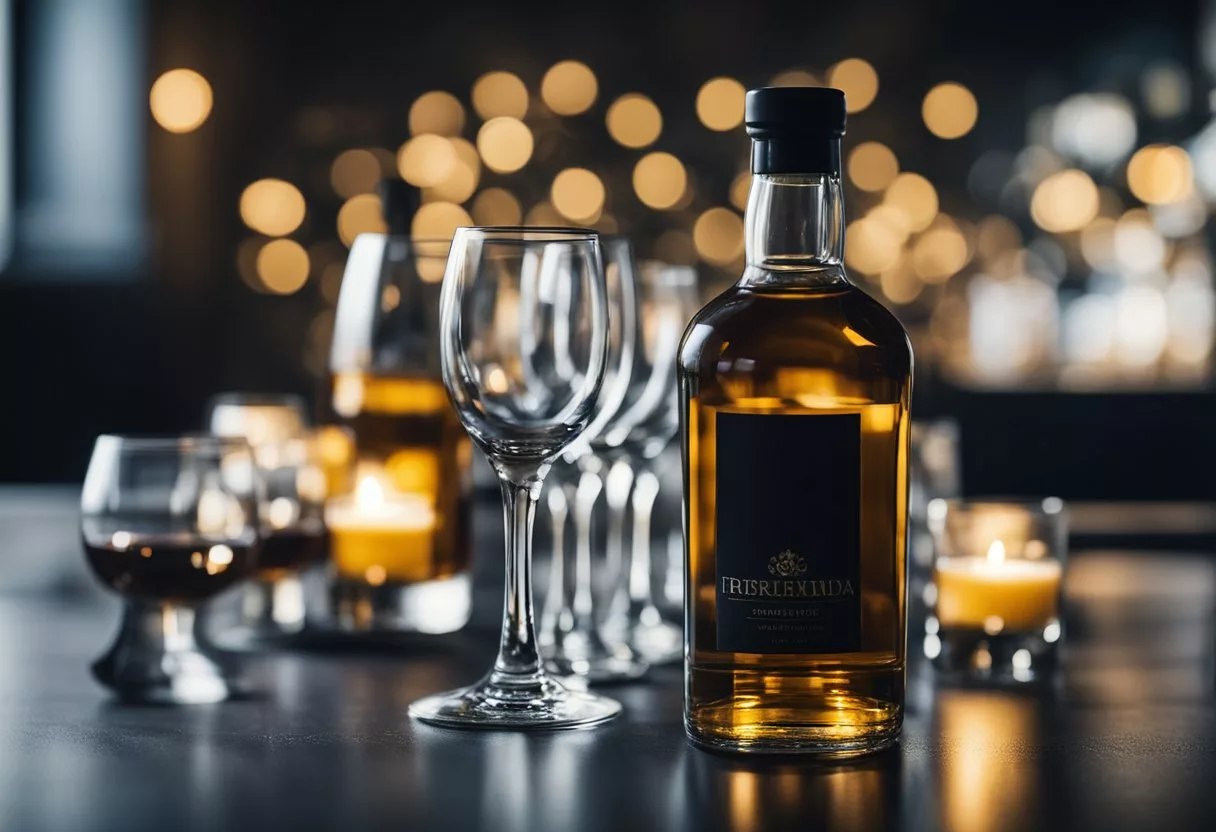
[(994, 602)]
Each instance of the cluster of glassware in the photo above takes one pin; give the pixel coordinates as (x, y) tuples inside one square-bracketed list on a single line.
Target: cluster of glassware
[(557, 353)]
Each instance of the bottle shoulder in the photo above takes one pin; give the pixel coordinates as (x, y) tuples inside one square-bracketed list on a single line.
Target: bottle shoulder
[(758, 336)]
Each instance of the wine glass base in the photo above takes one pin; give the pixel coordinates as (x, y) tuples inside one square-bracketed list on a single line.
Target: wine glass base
[(599, 670), (178, 678), (660, 643), (546, 706)]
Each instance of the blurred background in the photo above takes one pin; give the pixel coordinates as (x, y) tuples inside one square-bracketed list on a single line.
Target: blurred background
[(1028, 188)]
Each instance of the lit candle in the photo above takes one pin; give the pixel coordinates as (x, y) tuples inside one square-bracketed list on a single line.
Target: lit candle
[(380, 535), (995, 594)]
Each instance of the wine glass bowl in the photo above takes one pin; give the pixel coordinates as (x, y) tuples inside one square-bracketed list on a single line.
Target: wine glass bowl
[(168, 523), (523, 324)]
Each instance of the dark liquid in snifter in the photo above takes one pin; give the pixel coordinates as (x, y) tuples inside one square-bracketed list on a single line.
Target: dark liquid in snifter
[(170, 571), (292, 550)]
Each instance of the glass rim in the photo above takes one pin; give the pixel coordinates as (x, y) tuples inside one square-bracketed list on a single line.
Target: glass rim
[(1049, 505), (185, 442), (530, 233)]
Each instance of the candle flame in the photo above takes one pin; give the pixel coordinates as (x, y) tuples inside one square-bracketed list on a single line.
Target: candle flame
[(369, 494), (996, 552)]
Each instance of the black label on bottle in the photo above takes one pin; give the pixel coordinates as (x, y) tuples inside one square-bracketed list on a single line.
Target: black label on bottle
[(788, 533)]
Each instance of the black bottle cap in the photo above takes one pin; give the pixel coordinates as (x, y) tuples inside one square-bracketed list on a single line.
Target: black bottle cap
[(795, 129), (399, 201)]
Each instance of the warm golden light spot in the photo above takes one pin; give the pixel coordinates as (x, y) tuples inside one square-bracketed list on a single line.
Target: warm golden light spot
[(858, 80), (899, 285), (607, 224), (544, 215), (1160, 173), (634, 120), (796, 78), (659, 179), (247, 262), (180, 100), (872, 166), (439, 220), (355, 172), (461, 181), (1064, 201), (496, 206), (505, 144), (436, 112), (273, 207), (360, 215), (740, 190), (390, 298), (283, 266), (949, 110), (426, 160), (872, 246), (939, 253), (1098, 243), (720, 103), (578, 194), (500, 94), (718, 236), (569, 88), (916, 197), (376, 575), (995, 236)]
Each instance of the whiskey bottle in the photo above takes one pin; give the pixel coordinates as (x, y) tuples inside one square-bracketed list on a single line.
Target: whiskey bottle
[(795, 387)]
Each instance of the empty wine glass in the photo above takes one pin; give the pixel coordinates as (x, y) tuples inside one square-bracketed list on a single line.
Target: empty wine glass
[(571, 638), (168, 523), (668, 297), (523, 326)]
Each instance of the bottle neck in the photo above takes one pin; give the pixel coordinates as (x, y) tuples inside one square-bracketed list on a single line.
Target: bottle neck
[(795, 230)]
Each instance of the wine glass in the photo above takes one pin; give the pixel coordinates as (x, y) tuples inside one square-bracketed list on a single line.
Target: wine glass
[(571, 638), (292, 510), (168, 523), (650, 419), (523, 324)]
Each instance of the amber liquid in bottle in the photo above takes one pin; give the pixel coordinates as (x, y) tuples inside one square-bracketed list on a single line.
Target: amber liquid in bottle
[(795, 543), (407, 427)]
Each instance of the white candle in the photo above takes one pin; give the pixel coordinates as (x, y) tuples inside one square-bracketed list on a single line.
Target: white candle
[(996, 594)]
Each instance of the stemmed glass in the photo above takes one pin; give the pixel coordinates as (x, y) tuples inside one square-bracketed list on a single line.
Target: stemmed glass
[(571, 638), (523, 327), (668, 297), (168, 523)]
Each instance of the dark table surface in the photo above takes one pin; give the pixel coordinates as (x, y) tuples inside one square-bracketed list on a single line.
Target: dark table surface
[(1125, 737)]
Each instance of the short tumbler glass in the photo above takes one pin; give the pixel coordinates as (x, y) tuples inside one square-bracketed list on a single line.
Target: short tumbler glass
[(995, 600)]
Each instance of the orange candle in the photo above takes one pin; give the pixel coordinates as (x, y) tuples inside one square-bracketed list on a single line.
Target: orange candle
[(378, 535)]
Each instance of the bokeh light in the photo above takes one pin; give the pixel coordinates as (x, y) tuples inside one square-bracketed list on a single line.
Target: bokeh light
[(872, 246), (360, 215), (247, 262), (569, 88), (900, 284), (949, 110), (436, 112), (500, 94), (439, 220), (740, 190), (995, 236), (916, 197), (1065, 201), (718, 236), (1159, 173), (659, 179), (273, 207), (634, 120), (496, 206), (460, 183), (1097, 128), (1138, 247), (1098, 243), (282, 266), (872, 166), (1166, 89), (940, 253), (859, 81), (505, 144), (578, 194), (355, 172), (426, 160), (676, 247), (543, 214), (720, 103), (180, 100), (796, 78)]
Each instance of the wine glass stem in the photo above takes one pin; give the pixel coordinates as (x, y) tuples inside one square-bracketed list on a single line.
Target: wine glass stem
[(589, 487), (518, 660)]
